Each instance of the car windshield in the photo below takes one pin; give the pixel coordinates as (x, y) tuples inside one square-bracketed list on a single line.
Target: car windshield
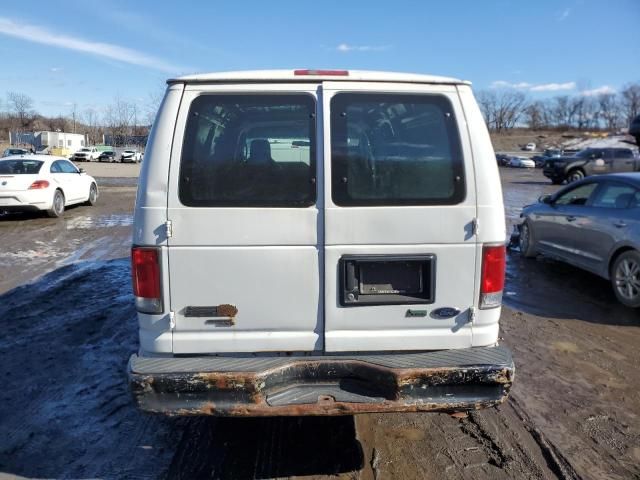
[(20, 167), (129, 151), (85, 150), (14, 151)]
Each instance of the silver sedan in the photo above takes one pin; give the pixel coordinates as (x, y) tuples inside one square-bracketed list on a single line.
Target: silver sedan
[(593, 224)]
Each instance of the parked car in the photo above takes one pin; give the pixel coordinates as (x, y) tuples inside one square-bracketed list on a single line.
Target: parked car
[(130, 156), (43, 182), (530, 147), (86, 154), (591, 161), (43, 150), (547, 154), (539, 160), (521, 162), (14, 151), (502, 159), (552, 153), (263, 290), (634, 129), (593, 224), (107, 156)]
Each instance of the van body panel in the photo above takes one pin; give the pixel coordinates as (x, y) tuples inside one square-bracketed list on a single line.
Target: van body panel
[(150, 214), (491, 226), (264, 261), (273, 314), (446, 231)]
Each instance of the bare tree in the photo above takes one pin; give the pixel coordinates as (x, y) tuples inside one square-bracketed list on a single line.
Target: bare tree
[(630, 101), (90, 119), (609, 111), (502, 110), (21, 106), (534, 115), (154, 99)]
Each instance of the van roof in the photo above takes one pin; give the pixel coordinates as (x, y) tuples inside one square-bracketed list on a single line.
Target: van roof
[(270, 76)]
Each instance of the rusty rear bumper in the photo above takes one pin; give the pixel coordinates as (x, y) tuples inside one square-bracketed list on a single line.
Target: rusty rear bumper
[(439, 381)]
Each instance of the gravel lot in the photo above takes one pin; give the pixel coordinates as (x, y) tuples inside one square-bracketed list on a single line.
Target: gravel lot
[(69, 326)]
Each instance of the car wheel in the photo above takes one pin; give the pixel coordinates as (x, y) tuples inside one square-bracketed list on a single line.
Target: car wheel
[(625, 278), (93, 195), (575, 176), (525, 242), (57, 206)]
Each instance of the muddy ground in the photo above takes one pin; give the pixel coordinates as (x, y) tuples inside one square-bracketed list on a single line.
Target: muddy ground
[(68, 327)]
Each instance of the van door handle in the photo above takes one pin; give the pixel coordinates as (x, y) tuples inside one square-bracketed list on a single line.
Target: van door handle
[(571, 218), (619, 224)]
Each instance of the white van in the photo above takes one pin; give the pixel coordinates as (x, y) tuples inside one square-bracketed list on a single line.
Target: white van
[(318, 242)]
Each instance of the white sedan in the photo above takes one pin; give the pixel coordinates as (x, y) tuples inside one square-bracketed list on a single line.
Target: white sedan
[(131, 156), (522, 162), (43, 182)]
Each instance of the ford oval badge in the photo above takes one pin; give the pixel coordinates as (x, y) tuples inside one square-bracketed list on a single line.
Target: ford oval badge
[(445, 312)]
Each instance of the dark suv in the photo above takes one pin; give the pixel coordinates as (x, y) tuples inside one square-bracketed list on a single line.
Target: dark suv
[(634, 129), (591, 161)]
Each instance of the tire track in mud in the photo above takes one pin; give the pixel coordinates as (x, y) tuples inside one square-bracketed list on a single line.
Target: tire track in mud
[(488, 444)]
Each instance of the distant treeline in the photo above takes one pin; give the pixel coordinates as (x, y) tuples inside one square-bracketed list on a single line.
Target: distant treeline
[(119, 120), (509, 108)]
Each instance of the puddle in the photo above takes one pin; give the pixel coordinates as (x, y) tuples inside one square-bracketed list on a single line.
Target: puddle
[(88, 223)]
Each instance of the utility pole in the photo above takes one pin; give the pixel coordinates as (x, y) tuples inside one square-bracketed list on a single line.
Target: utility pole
[(73, 114)]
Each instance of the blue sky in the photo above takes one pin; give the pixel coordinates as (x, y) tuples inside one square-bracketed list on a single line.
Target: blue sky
[(88, 52)]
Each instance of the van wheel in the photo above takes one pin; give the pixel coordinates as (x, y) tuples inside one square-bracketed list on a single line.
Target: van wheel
[(93, 195), (575, 175), (526, 241), (57, 206), (625, 278)]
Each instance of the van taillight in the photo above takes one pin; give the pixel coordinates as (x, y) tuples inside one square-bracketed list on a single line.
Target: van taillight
[(145, 273), (38, 184), (492, 281)]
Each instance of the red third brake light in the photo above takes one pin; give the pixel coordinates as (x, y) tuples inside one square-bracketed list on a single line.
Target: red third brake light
[(334, 73), (38, 184), (492, 281), (145, 273)]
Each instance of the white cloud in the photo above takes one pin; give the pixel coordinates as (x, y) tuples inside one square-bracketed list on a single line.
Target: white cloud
[(345, 47), (553, 87), (544, 87), (41, 35), (562, 16), (55, 69), (603, 90)]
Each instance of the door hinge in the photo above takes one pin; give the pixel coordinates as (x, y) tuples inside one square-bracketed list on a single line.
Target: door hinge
[(472, 314), (172, 320), (169, 228), (475, 226)]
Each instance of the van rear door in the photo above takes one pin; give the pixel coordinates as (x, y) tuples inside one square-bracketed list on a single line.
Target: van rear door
[(400, 207), (245, 253)]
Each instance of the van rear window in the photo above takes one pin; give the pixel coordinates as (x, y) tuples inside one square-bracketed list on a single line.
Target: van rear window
[(249, 151), (395, 149)]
